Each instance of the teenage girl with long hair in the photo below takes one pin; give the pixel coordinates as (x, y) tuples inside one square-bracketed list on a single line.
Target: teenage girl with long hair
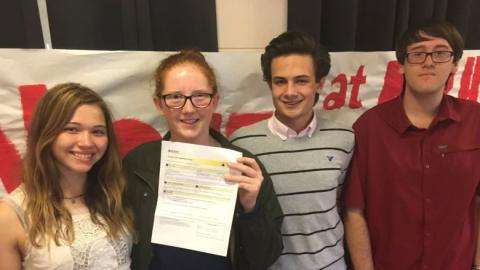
[(68, 213)]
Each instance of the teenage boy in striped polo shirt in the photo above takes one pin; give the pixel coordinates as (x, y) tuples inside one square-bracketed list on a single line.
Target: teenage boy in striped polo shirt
[(306, 153)]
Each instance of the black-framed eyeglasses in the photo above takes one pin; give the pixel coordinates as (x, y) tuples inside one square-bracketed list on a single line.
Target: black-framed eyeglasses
[(437, 57), (177, 101)]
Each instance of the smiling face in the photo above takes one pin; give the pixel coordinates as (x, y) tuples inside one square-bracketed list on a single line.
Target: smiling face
[(293, 88), (82, 142), (428, 77), (188, 124)]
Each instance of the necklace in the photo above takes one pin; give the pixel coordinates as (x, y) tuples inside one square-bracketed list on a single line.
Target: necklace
[(73, 199)]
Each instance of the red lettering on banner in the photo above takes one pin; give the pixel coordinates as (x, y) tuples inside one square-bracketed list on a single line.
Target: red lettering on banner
[(336, 100), (216, 121), (10, 160), (356, 81), (238, 120), (470, 79), (10, 163), (449, 84), (30, 95), (392, 83), (132, 132)]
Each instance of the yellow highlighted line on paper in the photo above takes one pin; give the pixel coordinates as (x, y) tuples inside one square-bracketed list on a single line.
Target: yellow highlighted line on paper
[(210, 162), (202, 161), (188, 167)]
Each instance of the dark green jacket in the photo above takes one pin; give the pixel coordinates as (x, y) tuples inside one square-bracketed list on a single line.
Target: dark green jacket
[(256, 237)]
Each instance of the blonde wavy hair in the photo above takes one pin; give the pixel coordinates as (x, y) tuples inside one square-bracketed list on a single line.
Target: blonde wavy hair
[(46, 216)]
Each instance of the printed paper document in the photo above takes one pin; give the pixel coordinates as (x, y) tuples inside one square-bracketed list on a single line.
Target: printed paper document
[(195, 204)]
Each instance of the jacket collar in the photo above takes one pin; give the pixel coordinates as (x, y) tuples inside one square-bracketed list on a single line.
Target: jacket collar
[(215, 134)]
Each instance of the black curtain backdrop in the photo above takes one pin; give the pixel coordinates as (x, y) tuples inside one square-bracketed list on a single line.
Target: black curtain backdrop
[(169, 25), (374, 25), (166, 25), (20, 25)]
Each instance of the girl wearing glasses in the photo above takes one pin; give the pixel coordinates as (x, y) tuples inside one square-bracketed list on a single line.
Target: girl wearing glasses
[(186, 95)]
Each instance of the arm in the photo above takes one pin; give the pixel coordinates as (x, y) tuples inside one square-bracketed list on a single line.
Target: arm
[(10, 232), (141, 168), (476, 260), (258, 239), (357, 233), (358, 239)]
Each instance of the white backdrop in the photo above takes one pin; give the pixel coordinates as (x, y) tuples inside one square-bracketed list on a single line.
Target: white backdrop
[(357, 81)]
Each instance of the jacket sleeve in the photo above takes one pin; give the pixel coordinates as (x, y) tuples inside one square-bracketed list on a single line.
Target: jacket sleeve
[(258, 238), (139, 166), (129, 195)]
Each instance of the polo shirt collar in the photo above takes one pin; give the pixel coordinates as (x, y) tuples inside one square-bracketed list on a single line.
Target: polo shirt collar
[(284, 132), (396, 117)]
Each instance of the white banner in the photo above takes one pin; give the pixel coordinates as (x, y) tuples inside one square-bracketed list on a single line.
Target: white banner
[(357, 81)]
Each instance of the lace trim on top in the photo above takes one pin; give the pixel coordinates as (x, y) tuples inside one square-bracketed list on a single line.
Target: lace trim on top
[(91, 249)]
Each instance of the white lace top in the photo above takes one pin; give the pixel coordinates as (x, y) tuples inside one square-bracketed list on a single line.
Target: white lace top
[(91, 250)]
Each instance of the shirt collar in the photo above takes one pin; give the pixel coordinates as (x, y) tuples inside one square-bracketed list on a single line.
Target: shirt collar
[(448, 110), (281, 130), (395, 115)]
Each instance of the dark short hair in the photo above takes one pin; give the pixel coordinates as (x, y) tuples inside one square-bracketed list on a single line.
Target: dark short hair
[(434, 28), (294, 42)]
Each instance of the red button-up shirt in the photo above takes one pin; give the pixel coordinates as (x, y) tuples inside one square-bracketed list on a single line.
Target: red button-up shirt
[(418, 187)]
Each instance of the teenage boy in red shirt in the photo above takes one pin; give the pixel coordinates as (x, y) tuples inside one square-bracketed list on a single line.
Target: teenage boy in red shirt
[(414, 179)]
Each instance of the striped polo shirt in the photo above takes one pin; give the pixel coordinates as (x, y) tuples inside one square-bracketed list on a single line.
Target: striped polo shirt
[(307, 174)]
